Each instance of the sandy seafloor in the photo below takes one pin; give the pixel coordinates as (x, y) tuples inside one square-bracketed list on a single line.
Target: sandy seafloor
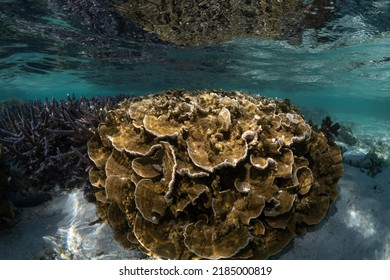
[(357, 226)]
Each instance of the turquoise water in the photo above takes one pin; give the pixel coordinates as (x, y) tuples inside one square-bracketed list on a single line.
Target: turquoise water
[(348, 74), (341, 69)]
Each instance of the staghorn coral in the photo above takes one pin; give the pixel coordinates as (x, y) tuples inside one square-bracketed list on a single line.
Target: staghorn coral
[(46, 140), (211, 174)]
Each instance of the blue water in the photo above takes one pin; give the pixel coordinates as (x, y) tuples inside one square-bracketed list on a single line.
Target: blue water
[(342, 69)]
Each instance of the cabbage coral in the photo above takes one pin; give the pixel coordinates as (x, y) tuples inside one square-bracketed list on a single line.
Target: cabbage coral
[(211, 174)]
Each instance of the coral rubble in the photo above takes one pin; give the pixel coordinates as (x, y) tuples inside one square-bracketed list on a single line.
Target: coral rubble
[(211, 174)]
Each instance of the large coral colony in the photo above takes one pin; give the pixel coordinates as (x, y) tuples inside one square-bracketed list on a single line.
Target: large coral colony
[(210, 174)]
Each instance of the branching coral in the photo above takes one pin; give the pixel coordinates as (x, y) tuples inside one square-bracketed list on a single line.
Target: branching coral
[(47, 139), (211, 174)]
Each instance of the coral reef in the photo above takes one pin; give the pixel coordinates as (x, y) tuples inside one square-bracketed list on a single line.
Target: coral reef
[(45, 141), (211, 174)]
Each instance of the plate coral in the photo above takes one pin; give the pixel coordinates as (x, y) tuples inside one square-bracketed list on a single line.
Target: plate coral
[(211, 174)]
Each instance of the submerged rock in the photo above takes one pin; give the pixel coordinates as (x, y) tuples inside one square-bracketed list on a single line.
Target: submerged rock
[(211, 174)]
